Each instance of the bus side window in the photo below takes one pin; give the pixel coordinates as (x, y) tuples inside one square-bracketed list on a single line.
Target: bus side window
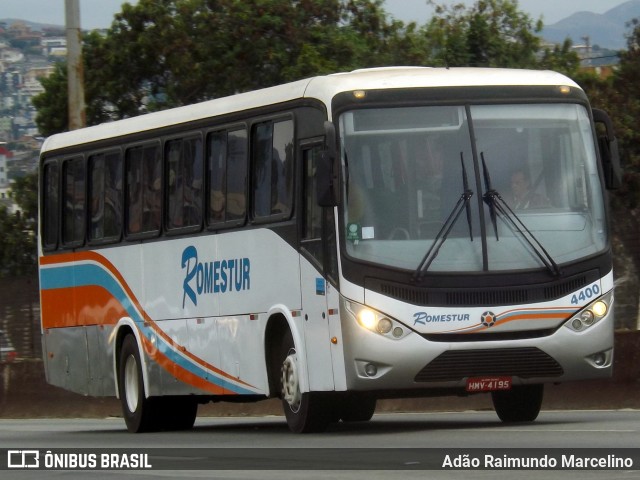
[(318, 223), (143, 189), (183, 160), (227, 177), (73, 201), (312, 221), (105, 193), (216, 172), (236, 205), (272, 145), (50, 216)]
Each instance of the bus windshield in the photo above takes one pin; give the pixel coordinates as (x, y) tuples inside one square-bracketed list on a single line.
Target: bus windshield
[(491, 187)]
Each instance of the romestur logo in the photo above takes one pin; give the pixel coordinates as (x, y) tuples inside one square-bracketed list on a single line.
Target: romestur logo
[(213, 276)]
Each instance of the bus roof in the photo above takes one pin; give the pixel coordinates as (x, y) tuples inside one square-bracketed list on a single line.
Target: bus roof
[(322, 88)]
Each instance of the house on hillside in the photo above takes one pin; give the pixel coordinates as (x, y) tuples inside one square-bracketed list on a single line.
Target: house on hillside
[(5, 156)]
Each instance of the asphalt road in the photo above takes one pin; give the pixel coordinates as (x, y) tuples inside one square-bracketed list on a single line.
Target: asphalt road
[(389, 446)]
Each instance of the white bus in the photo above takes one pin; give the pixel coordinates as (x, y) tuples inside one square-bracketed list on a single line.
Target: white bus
[(384, 233)]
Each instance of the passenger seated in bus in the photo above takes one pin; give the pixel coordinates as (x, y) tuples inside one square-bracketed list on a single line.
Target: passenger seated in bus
[(216, 206), (522, 195)]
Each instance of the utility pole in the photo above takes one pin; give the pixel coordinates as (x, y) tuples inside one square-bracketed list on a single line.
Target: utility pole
[(587, 42), (75, 68)]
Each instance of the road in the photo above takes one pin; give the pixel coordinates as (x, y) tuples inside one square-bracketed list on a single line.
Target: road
[(347, 449)]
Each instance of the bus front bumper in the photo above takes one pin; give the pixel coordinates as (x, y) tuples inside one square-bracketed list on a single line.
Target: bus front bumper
[(374, 362)]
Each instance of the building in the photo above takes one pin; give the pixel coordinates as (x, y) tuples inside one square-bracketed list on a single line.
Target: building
[(5, 155)]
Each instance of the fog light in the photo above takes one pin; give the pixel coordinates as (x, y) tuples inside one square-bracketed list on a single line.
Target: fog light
[(370, 369), (384, 325), (398, 332), (576, 324), (599, 359)]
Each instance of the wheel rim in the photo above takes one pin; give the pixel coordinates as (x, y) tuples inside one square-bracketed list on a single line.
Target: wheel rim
[(290, 381), (131, 383)]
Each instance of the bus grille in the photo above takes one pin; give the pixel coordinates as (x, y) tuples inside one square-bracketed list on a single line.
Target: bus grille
[(468, 297), (524, 362)]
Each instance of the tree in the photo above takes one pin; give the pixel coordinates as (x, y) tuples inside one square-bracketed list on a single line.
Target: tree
[(626, 99), (491, 33), (164, 53), (619, 94), (17, 245), (18, 231), (53, 116)]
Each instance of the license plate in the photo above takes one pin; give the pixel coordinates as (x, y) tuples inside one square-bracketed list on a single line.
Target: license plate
[(488, 384)]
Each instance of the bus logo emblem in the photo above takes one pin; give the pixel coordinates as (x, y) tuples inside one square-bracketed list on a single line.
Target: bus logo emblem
[(212, 277), (488, 319)]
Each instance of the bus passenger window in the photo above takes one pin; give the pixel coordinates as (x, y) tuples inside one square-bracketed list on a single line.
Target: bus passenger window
[(105, 192), (217, 165), (50, 215), (236, 204), (143, 189), (73, 202), (227, 176), (273, 168), (183, 160)]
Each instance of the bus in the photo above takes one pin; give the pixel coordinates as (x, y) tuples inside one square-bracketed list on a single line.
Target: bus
[(382, 233)]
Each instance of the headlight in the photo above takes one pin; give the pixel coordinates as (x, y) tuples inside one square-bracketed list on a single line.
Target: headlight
[(377, 322), (591, 314)]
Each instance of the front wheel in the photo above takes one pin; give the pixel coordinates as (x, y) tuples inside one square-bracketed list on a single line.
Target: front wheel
[(305, 412), (356, 407), (520, 404)]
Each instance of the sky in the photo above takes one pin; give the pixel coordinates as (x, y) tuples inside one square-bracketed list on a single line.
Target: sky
[(99, 13)]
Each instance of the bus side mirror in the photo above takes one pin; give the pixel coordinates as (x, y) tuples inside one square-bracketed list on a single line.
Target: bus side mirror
[(608, 145), (328, 170)]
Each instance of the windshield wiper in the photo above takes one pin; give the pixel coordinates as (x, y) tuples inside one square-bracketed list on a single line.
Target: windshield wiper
[(441, 237), (497, 205)]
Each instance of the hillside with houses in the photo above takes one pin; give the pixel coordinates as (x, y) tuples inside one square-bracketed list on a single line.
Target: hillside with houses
[(27, 54)]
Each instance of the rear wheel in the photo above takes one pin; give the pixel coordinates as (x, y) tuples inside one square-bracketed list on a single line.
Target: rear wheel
[(305, 412), (520, 404), (142, 414), (138, 411)]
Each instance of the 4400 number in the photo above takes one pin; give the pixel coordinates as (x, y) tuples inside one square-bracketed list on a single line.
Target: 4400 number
[(585, 294)]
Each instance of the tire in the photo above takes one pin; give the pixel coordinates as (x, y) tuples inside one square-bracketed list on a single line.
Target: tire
[(520, 404), (152, 414), (356, 407), (305, 412), (137, 410)]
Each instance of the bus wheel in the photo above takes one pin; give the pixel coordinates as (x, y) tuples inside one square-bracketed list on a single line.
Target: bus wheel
[(520, 404), (357, 407), (305, 412), (138, 411)]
